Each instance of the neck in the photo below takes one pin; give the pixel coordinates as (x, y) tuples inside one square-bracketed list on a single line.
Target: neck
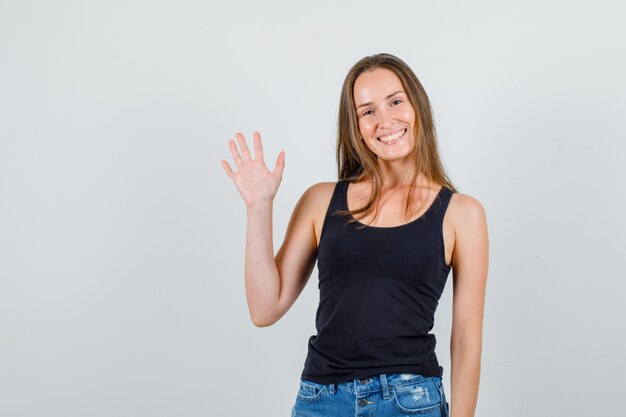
[(398, 173)]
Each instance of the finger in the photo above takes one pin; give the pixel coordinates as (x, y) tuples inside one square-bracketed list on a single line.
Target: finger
[(235, 152), (227, 168), (280, 164), (258, 147), (245, 152)]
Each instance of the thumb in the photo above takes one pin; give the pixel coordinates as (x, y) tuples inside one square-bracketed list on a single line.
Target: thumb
[(280, 164)]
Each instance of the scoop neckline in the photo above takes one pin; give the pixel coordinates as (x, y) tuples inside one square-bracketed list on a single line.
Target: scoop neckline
[(428, 210)]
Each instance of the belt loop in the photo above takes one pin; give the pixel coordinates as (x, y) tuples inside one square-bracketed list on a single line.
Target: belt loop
[(331, 388), (383, 380)]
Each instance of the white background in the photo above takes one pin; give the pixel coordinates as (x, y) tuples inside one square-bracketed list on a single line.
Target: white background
[(121, 237)]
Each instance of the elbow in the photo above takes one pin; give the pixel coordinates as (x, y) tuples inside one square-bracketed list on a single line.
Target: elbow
[(470, 347), (267, 316), (262, 321)]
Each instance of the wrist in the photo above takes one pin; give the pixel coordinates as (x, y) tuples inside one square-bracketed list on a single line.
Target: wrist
[(260, 205)]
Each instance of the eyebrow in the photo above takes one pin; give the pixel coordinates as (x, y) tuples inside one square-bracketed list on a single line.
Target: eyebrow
[(388, 97)]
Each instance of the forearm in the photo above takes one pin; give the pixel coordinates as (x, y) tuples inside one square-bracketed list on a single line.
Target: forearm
[(261, 274), (465, 378)]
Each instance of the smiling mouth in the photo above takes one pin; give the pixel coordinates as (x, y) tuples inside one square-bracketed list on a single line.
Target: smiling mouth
[(392, 138)]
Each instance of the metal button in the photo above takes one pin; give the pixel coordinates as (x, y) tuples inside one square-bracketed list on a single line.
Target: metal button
[(364, 381), (362, 402)]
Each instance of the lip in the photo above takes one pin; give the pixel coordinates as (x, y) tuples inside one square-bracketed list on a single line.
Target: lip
[(393, 133)]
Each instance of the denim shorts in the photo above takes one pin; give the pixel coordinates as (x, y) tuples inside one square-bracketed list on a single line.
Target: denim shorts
[(383, 395)]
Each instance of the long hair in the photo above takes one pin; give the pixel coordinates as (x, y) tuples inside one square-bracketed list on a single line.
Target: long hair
[(356, 162)]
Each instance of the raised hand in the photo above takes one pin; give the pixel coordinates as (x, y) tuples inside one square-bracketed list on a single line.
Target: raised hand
[(253, 180)]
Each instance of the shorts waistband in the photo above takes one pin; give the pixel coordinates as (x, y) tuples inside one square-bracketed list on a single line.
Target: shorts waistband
[(381, 382)]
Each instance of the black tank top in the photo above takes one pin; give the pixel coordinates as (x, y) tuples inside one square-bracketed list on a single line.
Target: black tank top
[(379, 288)]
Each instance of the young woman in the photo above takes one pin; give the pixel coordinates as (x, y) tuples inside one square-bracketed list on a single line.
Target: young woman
[(385, 237)]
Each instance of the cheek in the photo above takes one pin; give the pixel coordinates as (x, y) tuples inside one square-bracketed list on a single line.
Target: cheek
[(409, 116), (365, 127)]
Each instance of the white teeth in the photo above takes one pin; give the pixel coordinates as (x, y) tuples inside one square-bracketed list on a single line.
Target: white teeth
[(392, 137)]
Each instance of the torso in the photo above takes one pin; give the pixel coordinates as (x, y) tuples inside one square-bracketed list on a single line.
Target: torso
[(391, 209)]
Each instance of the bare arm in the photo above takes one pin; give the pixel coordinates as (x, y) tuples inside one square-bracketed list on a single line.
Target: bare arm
[(470, 264), (272, 283), (262, 280)]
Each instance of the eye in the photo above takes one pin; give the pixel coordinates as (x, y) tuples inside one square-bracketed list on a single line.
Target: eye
[(396, 101), (366, 112)]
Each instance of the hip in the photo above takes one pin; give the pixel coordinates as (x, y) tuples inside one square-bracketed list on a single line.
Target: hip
[(382, 395)]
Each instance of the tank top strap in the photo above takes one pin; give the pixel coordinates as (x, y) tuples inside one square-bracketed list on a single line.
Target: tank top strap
[(337, 201), (444, 198), (342, 195), (441, 203)]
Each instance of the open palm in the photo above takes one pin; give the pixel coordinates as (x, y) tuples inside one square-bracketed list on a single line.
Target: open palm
[(253, 180)]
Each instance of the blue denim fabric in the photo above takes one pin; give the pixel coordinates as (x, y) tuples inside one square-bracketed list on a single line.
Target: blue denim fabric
[(383, 395)]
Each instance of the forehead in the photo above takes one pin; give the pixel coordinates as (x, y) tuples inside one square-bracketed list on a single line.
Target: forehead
[(376, 85)]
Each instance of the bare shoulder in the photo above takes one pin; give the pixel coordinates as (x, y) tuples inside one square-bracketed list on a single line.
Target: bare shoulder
[(466, 212), (465, 206), (321, 189), (315, 199), (318, 198), (317, 195)]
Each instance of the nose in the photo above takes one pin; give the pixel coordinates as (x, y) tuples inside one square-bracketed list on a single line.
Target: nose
[(386, 118)]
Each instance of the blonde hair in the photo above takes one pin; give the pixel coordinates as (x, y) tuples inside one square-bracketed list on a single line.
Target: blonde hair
[(356, 162)]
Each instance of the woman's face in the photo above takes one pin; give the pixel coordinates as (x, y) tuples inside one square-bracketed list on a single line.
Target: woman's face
[(386, 117)]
